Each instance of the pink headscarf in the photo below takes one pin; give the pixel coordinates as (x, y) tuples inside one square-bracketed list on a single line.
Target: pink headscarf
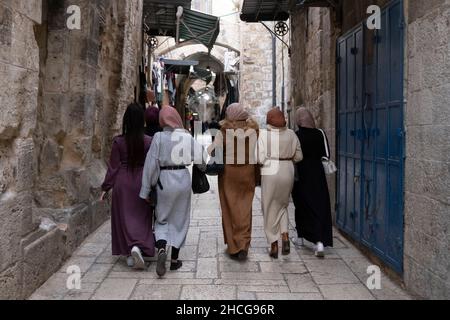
[(235, 112), (169, 117), (305, 118)]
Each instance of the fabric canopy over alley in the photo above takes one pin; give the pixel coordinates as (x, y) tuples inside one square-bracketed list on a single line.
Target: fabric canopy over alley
[(176, 19)]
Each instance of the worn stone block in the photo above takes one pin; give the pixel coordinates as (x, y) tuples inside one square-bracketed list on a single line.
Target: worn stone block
[(330, 272), (428, 251), (346, 292), (423, 282), (79, 228), (115, 289), (6, 20), (233, 266), (11, 283), (208, 292), (97, 273), (54, 288), (156, 292), (37, 255), (283, 267), (301, 283), (15, 222)]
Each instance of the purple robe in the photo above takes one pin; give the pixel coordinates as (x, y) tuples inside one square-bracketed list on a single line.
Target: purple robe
[(131, 217)]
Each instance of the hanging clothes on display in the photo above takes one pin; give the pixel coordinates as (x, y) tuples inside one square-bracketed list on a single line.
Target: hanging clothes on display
[(232, 96), (143, 86), (171, 87), (158, 80)]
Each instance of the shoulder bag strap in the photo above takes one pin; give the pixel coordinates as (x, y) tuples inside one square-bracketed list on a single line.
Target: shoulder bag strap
[(327, 151), (159, 161)]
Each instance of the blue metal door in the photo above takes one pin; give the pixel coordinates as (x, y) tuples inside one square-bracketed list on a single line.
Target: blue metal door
[(371, 136)]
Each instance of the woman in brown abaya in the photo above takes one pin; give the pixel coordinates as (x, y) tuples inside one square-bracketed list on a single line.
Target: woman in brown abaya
[(238, 138)]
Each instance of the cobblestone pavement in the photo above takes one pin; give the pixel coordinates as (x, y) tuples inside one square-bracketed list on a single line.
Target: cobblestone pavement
[(209, 274)]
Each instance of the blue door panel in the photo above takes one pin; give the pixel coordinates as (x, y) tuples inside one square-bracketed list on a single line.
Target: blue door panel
[(377, 223), (396, 53), (394, 249), (395, 132), (371, 137)]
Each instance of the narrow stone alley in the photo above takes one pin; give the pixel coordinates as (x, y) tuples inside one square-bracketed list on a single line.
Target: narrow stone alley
[(374, 74), (209, 274)]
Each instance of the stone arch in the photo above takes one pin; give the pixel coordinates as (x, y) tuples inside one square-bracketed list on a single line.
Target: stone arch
[(178, 52)]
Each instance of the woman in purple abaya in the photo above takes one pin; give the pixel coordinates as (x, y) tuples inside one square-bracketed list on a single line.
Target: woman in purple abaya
[(131, 216)]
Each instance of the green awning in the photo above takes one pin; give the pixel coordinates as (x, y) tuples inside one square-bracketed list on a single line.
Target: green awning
[(160, 16), (318, 3), (199, 27), (265, 10)]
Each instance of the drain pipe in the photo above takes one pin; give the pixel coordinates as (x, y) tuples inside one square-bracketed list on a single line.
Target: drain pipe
[(274, 71)]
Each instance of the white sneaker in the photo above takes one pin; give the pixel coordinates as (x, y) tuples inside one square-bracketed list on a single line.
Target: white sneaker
[(130, 261), (320, 250), (298, 242), (139, 262)]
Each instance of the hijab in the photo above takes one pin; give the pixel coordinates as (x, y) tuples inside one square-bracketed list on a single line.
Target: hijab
[(275, 118), (304, 118), (169, 117), (152, 121), (236, 112)]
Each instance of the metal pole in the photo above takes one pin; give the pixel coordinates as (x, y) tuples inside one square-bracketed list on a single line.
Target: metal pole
[(283, 84), (274, 71)]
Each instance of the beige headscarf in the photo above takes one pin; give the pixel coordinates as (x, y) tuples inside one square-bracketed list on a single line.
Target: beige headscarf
[(304, 118), (236, 112)]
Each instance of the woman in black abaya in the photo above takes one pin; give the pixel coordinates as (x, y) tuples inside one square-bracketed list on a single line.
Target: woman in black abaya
[(310, 194)]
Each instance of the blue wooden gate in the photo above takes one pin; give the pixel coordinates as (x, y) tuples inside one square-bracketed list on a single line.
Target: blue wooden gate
[(371, 136)]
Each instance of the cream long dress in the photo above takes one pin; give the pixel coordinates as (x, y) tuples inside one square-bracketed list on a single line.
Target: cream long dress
[(277, 183)]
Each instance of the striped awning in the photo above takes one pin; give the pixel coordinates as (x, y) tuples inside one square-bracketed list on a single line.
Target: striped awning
[(160, 16), (198, 27), (265, 10), (318, 3)]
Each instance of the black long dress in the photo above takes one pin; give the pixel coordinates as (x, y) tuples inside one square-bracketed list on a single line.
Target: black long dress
[(310, 194)]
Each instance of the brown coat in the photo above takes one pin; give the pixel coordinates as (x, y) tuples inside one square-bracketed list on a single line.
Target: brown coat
[(237, 184)]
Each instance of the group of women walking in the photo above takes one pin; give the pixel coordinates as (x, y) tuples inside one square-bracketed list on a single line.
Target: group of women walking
[(151, 197)]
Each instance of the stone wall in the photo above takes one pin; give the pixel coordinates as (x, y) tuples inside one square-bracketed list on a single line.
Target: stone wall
[(427, 177), (19, 78), (63, 99), (313, 71), (256, 69)]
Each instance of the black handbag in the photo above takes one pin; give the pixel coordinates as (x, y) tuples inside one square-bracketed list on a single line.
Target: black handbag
[(200, 182), (213, 168), (153, 196)]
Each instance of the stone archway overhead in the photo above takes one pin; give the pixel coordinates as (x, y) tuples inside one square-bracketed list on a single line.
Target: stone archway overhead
[(192, 43)]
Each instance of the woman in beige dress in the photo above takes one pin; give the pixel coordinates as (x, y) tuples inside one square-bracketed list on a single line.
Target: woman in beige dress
[(238, 139), (278, 150)]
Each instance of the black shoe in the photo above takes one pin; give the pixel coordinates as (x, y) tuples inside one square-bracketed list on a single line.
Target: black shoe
[(233, 256), (242, 255), (161, 263), (174, 266)]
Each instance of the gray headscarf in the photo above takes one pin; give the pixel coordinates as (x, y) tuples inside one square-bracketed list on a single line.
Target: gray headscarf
[(304, 118)]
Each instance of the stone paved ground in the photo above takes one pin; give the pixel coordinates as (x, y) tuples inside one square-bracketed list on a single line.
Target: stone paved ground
[(209, 274)]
